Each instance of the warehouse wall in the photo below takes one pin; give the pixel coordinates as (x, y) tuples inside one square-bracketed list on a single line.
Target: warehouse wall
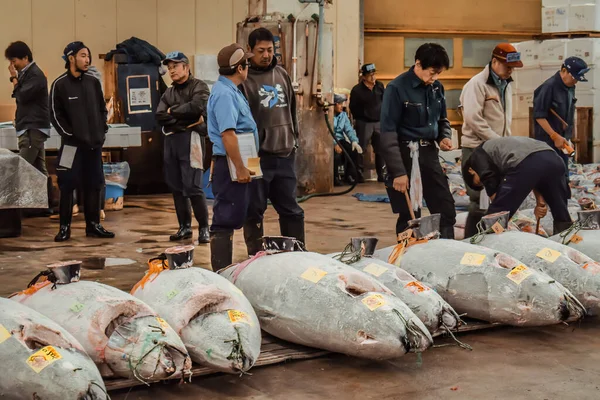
[(192, 26)]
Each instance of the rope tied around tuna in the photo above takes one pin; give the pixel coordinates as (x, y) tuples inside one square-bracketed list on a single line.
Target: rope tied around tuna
[(481, 232), (94, 383), (146, 380), (566, 236), (349, 255), (413, 332), (458, 342)]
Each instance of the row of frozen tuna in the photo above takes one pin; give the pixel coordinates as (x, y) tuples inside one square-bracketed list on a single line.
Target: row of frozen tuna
[(377, 305)]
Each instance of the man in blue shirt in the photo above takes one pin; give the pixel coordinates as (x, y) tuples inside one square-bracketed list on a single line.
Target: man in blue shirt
[(229, 115), (346, 136)]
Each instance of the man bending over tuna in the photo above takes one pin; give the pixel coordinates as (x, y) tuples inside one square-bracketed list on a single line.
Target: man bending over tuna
[(509, 168)]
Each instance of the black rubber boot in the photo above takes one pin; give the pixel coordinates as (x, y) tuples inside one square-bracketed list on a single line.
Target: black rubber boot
[(221, 249), (66, 214), (471, 224), (93, 228), (201, 215), (253, 233), (559, 226), (293, 227), (447, 232), (184, 217)]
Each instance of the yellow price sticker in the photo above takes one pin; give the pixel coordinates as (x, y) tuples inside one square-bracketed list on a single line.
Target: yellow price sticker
[(576, 239), (239, 316), (416, 287), (375, 270), (42, 358), (519, 273), (549, 255), (163, 323), (313, 274), (472, 259), (374, 301), (497, 228), (4, 334)]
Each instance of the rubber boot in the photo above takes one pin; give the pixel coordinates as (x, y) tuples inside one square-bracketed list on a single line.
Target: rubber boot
[(221, 249), (253, 233), (293, 227), (184, 217), (65, 208), (93, 228), (559, 226), (471, 224), (447, 232), (201, 215)]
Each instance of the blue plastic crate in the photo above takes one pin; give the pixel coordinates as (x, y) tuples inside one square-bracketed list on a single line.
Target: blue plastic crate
[(113, 192)]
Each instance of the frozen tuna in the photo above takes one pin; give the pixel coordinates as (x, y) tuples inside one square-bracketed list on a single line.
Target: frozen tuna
[(122, 334), (573, 269), (215, 321), (486, 284), (427, 304), (42, 360), (584, 236), (313, 300)]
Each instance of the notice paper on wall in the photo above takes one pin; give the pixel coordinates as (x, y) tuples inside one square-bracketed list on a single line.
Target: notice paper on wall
[(249, 153)]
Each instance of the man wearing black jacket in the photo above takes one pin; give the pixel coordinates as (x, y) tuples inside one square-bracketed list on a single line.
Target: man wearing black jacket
[(181, 113), (78, 113), (32, 121), (413, 123), (273, 103)]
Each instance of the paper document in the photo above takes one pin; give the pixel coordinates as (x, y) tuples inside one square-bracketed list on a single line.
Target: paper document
[(249, 154), (68, 156)]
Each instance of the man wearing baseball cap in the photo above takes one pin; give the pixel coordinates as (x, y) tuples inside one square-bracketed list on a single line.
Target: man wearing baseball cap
[(347, 139), (181, 113), (78, 113), (554, 106), (486, 102), (365, 106), (229, 114)]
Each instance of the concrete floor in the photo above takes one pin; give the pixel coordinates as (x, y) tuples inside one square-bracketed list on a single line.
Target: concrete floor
[(556, 362)]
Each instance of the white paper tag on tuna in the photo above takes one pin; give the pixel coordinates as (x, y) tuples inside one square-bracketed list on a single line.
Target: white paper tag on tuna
[(42, 358), (68, 156), (519, 274), (549, 255), (4, 334), (313, 274), (374, 301), (375, 270), (239, 316), (472, 259)]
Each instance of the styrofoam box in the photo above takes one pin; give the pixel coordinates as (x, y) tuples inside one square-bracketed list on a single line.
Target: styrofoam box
[(548, 72), (521, 104), (520, 127), (530, 52), (588, 49), (584, 17), (526, 80), (555, 19), (553, 52)]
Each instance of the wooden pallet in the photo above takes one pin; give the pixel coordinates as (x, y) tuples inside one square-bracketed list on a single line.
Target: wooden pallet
[(567, 35), (276, 351)]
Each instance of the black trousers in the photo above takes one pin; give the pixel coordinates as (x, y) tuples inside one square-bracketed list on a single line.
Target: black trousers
[(542, 171), (342, 164), (179, 174), (369, 132), (436, 191), (278, 184), (232, 199)]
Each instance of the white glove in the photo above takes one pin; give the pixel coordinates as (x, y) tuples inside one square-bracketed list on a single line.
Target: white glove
[(356, 147)]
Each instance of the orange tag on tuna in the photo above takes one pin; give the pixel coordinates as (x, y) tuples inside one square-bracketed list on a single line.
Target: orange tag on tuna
[(239, 316), (576, 239), (42, 358), (416, 287), (592, 267), (497, 228)]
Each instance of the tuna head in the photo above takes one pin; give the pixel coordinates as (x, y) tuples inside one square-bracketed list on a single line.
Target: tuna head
[(146, 347), (537, 299)]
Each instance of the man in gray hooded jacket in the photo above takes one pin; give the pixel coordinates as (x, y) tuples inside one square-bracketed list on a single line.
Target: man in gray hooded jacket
[(273, 103)]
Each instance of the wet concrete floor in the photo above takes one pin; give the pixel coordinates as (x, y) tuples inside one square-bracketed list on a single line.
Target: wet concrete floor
[(556, 362)]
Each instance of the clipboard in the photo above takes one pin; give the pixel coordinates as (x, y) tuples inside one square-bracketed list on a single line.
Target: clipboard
[(249, 153)]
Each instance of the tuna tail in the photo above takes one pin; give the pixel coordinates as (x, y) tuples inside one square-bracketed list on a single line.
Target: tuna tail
[(416, 340), (571, 309), (240, 360), (95, 394)]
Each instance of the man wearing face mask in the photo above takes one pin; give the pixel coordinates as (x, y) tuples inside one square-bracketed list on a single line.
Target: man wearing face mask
[(181, 113), (413, 121), (273, 103), (78, 113), (487, 114), (365, 106)]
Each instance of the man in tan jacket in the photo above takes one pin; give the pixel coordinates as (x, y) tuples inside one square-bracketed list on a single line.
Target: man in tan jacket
[(486, 102)]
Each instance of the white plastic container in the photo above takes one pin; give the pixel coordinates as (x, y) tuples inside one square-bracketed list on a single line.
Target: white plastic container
[(521, 104), (553, 52), (584, 17), (548, 72), (588, 49), (555, 19), (530, 53), (526, 80)]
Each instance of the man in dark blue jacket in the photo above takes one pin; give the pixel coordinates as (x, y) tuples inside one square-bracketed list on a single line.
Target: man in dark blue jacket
[(32, 121), (78, 113)]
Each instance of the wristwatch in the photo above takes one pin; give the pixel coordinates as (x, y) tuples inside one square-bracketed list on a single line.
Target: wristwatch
[(13, 77)]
